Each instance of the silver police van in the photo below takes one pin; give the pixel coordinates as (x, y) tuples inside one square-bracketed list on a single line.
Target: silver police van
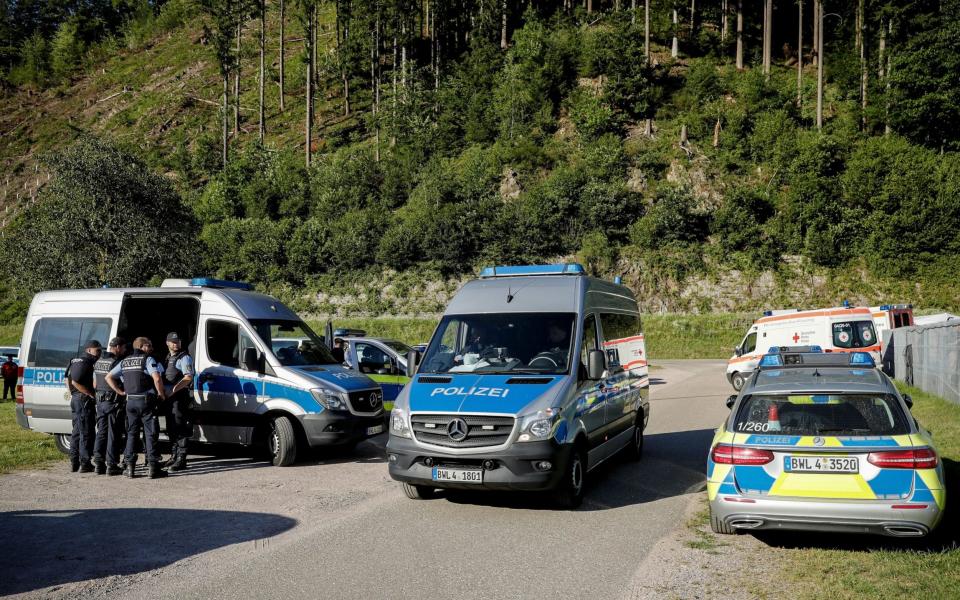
[(247, 389), (534, 376)]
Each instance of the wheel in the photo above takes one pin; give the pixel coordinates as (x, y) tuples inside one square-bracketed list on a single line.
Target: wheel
[(418, 492), (282, 441), (718, 526), (62, 442), (635, 447), (738, 380), (569, 494)]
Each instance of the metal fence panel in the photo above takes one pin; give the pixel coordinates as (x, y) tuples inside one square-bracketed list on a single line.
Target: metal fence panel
[(926, 357)]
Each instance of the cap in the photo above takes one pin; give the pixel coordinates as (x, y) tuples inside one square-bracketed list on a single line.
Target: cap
[(92, 344), (173, 337), (117, 341)]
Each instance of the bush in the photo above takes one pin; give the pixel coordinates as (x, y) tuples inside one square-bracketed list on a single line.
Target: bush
[(250, 249), (671, 221)]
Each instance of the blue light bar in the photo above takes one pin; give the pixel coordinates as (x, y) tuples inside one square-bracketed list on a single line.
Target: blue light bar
[(773, 350), (816, 349), (771, 360), (862, 359), (885, 307), (518, 270), (220, 283), (768, 313)]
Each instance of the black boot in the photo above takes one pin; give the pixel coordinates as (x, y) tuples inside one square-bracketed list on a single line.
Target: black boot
[(85, 467), (130, 468), (74, 465), (100, 467), (114, 470), (180, 464), (156, 472)]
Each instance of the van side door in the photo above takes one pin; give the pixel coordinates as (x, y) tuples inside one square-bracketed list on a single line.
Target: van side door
[(227, 394), (590, 406)]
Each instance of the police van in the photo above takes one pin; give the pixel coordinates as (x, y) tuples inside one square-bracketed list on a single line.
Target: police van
[(832, 329), (246, 391), (534, 376)]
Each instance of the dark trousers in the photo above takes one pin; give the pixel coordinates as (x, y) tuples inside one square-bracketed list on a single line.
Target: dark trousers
[(141, 410), (111, 426), (10, 386), (84, 417), (179, 422)]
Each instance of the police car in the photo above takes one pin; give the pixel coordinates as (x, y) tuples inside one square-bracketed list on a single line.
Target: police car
[(822, 441), (381, 359)]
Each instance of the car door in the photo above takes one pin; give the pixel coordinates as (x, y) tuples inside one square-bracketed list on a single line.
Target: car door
[(590, 405), (227, 394), (379, 364), (617, 332)]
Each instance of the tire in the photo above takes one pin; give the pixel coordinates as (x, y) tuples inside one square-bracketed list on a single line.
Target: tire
[(62, 442), (718, 526), (737, 381), (569, 493), (282, 441), (634, 450), (418, 492)]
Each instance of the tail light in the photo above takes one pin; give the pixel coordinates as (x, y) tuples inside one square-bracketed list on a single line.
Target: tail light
[(726, 454), (920, 458), (19, 399)]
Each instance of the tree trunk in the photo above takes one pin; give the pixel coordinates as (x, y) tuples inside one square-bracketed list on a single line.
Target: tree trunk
[(800, 53), (864, 73), (693, 20), (646, 29), (724, 10), (262, 130), (226, 117), (503, 26), (740, 34), (236, 81), (282, 57), (589, 6), (716, 134), (675, 48), (816, 33), (767, 35), (887, 129), (819, 18), (308, 121), (633, 12), (881, 48)]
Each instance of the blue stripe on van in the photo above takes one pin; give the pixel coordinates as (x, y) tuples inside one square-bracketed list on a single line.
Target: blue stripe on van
[(243, 386), (475, 393), (44, 377)]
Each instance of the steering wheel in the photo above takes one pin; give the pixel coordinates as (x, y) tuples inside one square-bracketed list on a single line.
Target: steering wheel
[(545, 359)]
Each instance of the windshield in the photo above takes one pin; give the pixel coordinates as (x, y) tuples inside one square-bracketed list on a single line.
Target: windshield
[(832, 414), (854, 334), (293, 343), (501, 343)]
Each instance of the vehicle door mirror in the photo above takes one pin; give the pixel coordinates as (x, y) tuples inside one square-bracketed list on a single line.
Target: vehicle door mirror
[(413, 362), (908, 400), (738, 351), (251, 360), (731, 399), (596, 364)]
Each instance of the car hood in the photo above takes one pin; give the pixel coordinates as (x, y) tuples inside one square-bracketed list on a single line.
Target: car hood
[(472, 393), (333, 376)]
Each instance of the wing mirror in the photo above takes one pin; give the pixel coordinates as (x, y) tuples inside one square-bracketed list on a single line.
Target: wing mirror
[(596, 364), (738, 351), (908, 400), (413, 362), (252, 360), (731, 399)]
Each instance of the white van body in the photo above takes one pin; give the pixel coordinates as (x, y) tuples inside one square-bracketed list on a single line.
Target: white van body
[(278, 399), (833, 329)]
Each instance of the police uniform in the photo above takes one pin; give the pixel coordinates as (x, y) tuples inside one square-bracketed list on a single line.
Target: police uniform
[(136, 372), (111, 415), (179, 424), (82, 410)]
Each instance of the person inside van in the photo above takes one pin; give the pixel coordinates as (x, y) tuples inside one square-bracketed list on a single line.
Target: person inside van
[(558, 347)]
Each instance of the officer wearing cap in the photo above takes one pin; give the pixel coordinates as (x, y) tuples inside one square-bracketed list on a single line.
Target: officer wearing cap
[(79, 379), (111, 418), (179, 378), (139, 376)]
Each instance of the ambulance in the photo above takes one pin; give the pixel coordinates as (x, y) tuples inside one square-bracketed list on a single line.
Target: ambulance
[(832, 329)]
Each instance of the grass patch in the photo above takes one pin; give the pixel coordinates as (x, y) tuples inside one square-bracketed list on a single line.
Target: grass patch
[(702, 538), (672, 336), (21, 448), (10, 334), (855, 567)]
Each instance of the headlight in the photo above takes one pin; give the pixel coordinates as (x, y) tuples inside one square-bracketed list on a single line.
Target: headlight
[(539, 426), (398, 423), (329, 400)]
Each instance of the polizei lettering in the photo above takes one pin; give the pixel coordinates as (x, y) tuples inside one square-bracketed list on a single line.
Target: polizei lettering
[(471, 391)]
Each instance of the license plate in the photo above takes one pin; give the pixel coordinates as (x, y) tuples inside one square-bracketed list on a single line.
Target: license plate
[(458, 475), (375, 430), (821, 464)]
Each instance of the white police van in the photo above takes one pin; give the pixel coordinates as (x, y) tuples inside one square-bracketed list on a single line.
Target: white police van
[(534, 376), (245, 390)]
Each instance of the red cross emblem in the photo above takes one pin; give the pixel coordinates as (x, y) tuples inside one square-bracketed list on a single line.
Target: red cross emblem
[(796, 338)]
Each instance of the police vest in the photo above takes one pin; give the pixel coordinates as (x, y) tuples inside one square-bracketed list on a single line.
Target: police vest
[(172, 374), (100, 369), (135, 378)]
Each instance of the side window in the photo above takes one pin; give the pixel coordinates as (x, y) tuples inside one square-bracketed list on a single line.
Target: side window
[(223, 343), (55, 341), (246, 342), (843, 335), (906, 319), (621, 337), (371, 358), (750, 343), (589, 339)]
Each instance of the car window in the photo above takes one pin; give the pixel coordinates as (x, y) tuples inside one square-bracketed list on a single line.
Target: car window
[(370, 358), (223, 342), (56, 340), (750, 343), (589, 339), (622, 338), (828, 414), (854, 334)]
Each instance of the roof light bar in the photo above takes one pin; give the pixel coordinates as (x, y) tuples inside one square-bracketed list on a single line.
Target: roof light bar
[(862, 359), (520, 270), (220, 283)]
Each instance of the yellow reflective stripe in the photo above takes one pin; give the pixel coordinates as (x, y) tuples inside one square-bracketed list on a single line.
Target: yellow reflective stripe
[(904, 440), (817, 485), (382, 378), (712, 488), (388, 406), (828, 442)]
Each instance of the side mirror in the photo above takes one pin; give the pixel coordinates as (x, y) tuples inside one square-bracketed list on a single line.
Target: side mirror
[(596, 364), (908, 400), (738, 351), (413, 361), (731, 399), (251, 360)]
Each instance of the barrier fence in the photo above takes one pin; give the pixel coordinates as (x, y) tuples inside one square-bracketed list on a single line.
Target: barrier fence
[(926, 357)]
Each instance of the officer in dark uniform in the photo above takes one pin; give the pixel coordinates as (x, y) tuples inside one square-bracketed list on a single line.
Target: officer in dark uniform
[(79, 378), (111, 421), (143, 387), (179, 377)]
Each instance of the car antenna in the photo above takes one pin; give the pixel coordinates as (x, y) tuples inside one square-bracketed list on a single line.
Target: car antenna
[(816, 372), (509, 294)]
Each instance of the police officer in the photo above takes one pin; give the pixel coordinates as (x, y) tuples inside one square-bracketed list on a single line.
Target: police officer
[(79, 378), (111, 420), (140, 376), (179, 377)]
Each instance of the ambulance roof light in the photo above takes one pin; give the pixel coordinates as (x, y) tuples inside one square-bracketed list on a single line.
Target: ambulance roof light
[(519, 270), (862, 359), (220, 283)]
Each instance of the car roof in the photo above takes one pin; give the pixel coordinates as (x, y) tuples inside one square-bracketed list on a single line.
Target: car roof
[(373, 339), (819, 378)]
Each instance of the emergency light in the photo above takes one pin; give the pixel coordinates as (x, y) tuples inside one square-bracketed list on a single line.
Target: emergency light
[(862, 359), (220, 283), (519, 270), (771, 360)]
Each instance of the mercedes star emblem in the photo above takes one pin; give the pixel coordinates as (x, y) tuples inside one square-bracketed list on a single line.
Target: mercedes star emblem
[(375, 400), (457, 430)]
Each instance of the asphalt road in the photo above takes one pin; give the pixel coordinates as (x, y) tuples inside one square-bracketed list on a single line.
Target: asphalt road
[(338, 527)]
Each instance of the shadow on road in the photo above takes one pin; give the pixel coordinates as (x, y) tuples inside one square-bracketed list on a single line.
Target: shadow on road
[(674, 464), (45, 548)]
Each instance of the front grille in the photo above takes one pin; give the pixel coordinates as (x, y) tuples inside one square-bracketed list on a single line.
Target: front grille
[(482, 431), (366, 402)]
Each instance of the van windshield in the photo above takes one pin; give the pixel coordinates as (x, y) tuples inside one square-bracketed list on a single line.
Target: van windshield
[(293, 343), (501, 343)]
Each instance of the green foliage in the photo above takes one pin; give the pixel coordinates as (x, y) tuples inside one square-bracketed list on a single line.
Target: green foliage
[(66, 50), (247, 248), (671, 221)]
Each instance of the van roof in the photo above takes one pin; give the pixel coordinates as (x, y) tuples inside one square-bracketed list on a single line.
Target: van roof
[(540, 293), (863, 313)]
